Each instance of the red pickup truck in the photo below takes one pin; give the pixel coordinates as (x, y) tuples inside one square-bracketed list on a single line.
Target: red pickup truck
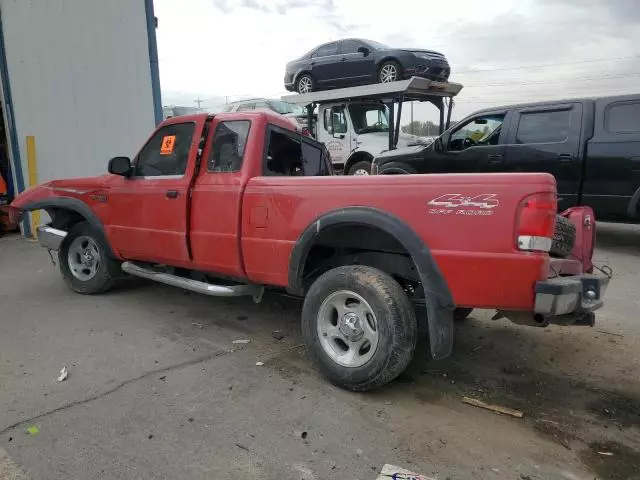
[(231, 204)]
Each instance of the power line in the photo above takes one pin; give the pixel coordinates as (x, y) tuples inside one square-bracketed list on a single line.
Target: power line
[(526, 67)]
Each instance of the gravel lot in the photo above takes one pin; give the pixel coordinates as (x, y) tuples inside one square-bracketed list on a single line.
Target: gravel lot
[(157, 389)]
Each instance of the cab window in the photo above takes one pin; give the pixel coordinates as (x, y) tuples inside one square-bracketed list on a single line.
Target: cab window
[(167, 153), (291, 155), (480, 131)]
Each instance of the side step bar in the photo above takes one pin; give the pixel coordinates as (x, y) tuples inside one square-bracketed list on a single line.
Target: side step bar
[(204, 288)]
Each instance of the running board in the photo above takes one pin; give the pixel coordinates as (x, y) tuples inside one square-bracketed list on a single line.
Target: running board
[(204, 288)]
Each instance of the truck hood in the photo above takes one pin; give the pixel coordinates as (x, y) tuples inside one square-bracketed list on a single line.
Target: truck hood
[(75, 187), (376, 142)]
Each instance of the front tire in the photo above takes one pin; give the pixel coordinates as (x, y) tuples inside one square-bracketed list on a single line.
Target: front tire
[(359, 327), (362, 167), (85, 263), (305, 83), (389, 71)]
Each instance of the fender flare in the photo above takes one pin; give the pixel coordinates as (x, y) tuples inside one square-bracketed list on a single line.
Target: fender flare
[(353, 158), (438, 299), (75, 205), (632, 208)]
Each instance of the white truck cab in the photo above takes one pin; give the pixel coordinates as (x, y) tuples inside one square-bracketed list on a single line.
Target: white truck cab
[(358, 123), (355, 132)]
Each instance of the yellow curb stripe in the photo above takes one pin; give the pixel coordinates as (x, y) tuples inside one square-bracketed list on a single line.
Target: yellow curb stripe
[(32, 165)]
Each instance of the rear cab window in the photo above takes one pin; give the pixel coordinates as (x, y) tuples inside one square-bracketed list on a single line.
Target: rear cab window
[(623, 117), (228, 146), (289, 154)]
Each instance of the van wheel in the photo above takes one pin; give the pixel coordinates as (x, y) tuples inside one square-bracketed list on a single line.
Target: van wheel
[(359, 327), (85, 263), (362, 167)]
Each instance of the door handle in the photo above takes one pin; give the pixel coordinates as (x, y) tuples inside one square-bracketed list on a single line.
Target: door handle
[(171, 194), (495, 158), (343, 59), (313, 63), (565, 157)]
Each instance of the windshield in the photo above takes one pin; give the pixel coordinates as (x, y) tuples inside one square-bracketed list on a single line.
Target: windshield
[(369, 118), (378, 45), (284, 108)]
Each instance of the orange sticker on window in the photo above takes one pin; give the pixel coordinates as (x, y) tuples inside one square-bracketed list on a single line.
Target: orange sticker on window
[(168, 143)]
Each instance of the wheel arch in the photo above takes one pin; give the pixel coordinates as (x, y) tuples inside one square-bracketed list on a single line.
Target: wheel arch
[(633, 207), (357, 156), (396, 168), (387, 58), (438, 299), (74, 211)]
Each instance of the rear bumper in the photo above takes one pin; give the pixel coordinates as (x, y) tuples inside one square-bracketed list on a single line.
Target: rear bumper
[(50, 237), (570, 295)]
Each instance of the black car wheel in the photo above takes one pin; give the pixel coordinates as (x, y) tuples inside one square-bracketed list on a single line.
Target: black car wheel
[(389, 72), (304, 83)]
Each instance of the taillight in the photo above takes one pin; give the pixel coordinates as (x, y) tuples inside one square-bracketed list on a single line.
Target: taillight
[(536, 222)]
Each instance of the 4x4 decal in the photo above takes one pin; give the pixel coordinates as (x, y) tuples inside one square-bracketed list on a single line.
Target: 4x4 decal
[(459, 204)]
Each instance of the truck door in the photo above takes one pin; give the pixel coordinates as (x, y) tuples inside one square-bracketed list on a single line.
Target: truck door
[(471, 146), (547, 139), (148, 211), (336, 133), (612, 171)]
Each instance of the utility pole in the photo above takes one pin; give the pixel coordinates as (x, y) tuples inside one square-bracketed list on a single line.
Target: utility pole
[(198, 101)]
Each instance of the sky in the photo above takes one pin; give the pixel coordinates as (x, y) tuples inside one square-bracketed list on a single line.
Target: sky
[(502, 51)]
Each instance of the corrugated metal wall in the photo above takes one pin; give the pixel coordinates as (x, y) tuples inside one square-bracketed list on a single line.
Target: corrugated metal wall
[(80, 81)]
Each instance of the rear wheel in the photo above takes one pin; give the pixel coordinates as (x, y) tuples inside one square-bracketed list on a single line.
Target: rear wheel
[(362, 167), (359, 327), (389, 72), (85, 263), (305, 83)]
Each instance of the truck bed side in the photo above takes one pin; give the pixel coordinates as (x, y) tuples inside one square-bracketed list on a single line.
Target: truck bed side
[(473, 245)]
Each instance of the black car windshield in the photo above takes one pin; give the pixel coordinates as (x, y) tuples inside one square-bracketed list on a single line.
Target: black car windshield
[(369, 118), (377, 45), (284, 108)]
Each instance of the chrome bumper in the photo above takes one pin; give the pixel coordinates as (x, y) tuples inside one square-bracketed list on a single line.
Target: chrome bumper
[(566, 295), (50, 237)]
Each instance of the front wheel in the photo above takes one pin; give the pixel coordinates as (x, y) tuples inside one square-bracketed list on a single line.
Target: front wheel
[(305, 83), (85, 263), (389, 72), (362, 167), (359, 327)]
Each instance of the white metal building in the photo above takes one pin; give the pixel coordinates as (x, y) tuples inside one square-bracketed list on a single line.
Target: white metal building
[(79, 84)]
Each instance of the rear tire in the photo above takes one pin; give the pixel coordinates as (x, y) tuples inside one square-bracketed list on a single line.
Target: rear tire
[(85, 263), (349, 306), (362, 167), (305, 83)]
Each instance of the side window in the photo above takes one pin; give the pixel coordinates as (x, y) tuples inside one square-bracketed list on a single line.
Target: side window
[(167, 153), (350, 46), (229, 141), (480, 131), (623, 118), (544, 127), (338, 120), (261, 105), (313, 162), (328, 49), (245, 106)]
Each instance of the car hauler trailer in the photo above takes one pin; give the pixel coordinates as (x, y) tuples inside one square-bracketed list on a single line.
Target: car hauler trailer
[(357, 123)]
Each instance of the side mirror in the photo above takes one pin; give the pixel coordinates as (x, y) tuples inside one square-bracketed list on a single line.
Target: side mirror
[(120, 166), (364, 50), (438, 145)]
